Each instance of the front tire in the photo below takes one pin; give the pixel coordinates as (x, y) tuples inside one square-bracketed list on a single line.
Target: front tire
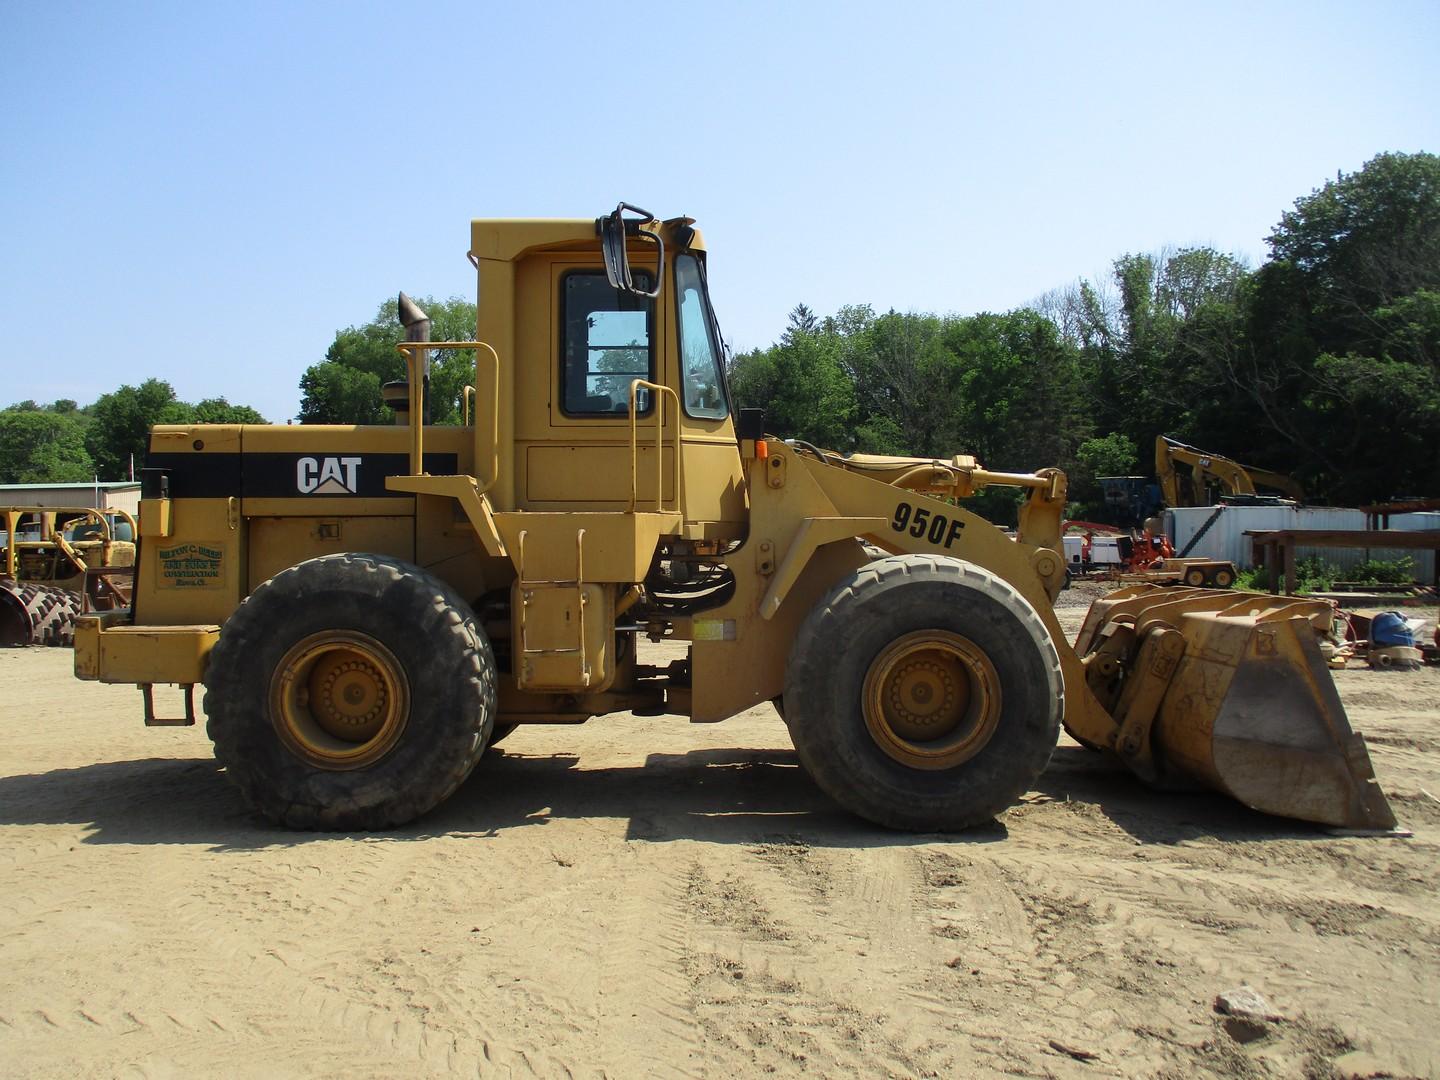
[(350, 692), (924, 693)]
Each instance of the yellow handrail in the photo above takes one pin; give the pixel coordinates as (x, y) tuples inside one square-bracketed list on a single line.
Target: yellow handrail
[(412, 351), (635, 385)]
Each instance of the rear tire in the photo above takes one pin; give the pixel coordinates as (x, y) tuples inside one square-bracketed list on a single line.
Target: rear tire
[(1195, 577), (1224, 578), (350, 692), (924, 693)]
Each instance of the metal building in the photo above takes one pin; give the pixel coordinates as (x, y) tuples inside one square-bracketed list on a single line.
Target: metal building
[(111, 495)]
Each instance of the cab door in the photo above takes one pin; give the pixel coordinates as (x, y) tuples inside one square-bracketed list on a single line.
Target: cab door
[(573, 386)]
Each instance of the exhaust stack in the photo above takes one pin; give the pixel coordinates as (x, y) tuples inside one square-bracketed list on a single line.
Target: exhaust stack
[(397, 393)]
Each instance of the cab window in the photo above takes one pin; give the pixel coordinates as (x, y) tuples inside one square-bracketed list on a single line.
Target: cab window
[(607, 340), (699, 352)]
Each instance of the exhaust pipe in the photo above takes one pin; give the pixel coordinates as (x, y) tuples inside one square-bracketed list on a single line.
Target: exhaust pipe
[(397, 394)]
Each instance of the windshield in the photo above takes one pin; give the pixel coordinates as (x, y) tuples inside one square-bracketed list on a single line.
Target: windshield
[(699, 354)]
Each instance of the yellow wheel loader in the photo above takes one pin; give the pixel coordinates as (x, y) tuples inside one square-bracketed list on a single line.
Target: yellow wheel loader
[(369, 607), (57, 561)]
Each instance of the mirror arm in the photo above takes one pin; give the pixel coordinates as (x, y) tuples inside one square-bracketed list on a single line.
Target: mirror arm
[(613, 231)]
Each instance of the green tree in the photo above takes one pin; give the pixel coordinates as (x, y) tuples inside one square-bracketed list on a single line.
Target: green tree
[(121, 421), (39, 447), (1342, 328), (813, 399), (905, 379), (1193, 279), (328, 397), (220, 411), (1108, 455), (333, 393), (802, 321), (1324, 363), (1383, 416), (800, 383), (1019, 402), (1362, 242), (751, 376)]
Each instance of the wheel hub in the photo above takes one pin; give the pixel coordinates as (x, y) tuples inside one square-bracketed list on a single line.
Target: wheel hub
[(339, 700), (351, 696), (931, 699), (924, 699)]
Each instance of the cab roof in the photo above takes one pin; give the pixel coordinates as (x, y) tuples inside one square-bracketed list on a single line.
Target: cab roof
[(507, 239)]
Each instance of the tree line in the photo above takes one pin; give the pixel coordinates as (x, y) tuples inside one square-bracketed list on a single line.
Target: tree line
[(62, 443), (1324, 362)]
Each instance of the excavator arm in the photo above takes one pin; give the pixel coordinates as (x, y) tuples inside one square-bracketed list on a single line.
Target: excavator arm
[(1205, 468)]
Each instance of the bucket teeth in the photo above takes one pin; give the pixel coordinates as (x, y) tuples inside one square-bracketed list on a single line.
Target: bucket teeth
[(1243, 704)]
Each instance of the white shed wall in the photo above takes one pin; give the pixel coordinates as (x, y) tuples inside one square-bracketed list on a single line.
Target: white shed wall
[(1226, 539)]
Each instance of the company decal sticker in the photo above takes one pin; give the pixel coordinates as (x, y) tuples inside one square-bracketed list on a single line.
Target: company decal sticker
[(327, 475), (197, 565)]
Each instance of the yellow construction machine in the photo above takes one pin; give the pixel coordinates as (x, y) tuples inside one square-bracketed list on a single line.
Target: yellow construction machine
[(56, 561), (1202, 473), (369, 608)]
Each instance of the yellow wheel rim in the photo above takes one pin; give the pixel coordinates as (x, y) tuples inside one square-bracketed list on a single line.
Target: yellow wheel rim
[(339, 699), (931, 699)]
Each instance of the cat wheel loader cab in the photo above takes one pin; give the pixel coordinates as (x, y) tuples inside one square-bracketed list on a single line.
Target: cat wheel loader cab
[(368, 608)]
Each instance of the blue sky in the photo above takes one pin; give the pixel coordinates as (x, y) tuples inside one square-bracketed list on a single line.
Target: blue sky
[(205, 192)]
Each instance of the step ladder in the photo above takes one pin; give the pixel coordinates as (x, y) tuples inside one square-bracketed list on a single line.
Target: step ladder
[(554, 652)]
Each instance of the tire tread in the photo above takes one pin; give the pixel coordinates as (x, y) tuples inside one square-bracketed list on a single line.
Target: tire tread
[(809, 667)]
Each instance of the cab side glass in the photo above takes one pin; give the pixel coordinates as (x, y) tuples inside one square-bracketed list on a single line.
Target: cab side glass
[(607, 340)]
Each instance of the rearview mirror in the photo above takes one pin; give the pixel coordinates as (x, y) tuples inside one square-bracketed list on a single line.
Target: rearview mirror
[(614, 230)]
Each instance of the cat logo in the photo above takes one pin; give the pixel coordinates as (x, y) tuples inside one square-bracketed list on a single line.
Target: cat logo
[(327, 476)]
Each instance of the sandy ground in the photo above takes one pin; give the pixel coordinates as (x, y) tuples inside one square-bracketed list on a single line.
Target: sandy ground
[(640, 897)]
